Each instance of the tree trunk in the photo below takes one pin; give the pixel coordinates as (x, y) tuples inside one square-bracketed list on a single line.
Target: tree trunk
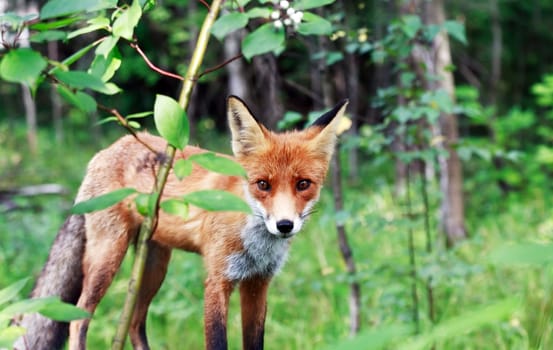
[(452, 216), (267, 86), (237, 82)]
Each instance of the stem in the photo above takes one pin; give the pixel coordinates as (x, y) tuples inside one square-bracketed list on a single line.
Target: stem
[(412, 261), (345, 248), (150, 222), (426, 208)]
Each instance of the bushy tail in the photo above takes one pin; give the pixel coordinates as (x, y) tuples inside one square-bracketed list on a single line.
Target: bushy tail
[(62, 276)]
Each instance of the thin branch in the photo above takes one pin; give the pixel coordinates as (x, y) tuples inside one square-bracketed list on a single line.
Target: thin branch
[(205, 4), (152, 66), (124, 122), (219, 66)]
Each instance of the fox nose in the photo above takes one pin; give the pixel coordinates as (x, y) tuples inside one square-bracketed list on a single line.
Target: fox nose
[(285, 226)]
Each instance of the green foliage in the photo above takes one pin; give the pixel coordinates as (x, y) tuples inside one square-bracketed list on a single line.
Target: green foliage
[(22, 66), (213, 200), (265, 39), (171, 121), (49, 307), (218, 164), (103, 201)]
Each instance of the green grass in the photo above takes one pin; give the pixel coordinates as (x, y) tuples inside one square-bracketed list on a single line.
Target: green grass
[(308, 300)]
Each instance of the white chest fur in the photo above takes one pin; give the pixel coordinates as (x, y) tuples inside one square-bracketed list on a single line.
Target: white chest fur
[(263, 255)]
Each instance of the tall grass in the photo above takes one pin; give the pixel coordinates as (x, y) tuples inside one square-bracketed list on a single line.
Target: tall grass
[(308, 300)]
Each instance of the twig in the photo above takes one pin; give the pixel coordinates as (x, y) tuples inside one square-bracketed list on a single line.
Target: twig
[(126, 125), (205, 4), (412, 259), (153, 67), (219, 66), (150, 221), (345, 248)]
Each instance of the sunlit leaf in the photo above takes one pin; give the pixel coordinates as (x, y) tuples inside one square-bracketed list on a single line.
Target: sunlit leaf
[(171, 121), (60, 311), (103, 201), (9, 335), (176, 207), (218, 164), (104, 67), (215, 200), (125, 23), (182, 168), (11, 291), (22, 66)]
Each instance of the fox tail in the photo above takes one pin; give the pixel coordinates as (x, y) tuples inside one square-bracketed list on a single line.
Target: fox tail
[(61, 276)]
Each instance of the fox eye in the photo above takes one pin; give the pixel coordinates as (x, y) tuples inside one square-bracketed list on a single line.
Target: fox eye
[(303, 185), (263, 185)]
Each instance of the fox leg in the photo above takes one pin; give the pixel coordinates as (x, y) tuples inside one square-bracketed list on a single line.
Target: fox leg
[(154, 273), (216, 296), (253, 302), (102, 258)]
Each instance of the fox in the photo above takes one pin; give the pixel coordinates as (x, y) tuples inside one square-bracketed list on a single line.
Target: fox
[(284, 176)]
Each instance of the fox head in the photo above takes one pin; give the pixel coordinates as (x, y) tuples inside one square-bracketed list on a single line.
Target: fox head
[(285, 171)]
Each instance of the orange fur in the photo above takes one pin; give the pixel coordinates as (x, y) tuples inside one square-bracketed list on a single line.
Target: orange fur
[(237, 248)]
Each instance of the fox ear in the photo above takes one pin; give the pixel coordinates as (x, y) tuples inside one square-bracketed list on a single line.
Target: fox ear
[(325, 141), (247, 133)]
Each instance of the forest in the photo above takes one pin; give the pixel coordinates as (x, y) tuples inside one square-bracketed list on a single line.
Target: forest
[(434, 229)]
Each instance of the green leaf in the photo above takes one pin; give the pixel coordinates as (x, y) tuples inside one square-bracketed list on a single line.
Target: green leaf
[(58, 8), (314, 25), (139, 115), (60, 311), (22, 66), (215, 200), (456, 30), (104, 67), (228, 23), (107, 46), (309, 4), (171, 121), (48, 35), (126, 22), (411, 24), (218, 164), (94, 24), (23, 306), (83, 80), (182, 168), (142, 202), (176, 207), (262, 40), (9, 335), (81, 100), (103, 201), (11, 291), (60, 23), (259, 12)]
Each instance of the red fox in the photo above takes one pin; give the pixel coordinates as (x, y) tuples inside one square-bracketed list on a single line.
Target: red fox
[(285, 173)]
